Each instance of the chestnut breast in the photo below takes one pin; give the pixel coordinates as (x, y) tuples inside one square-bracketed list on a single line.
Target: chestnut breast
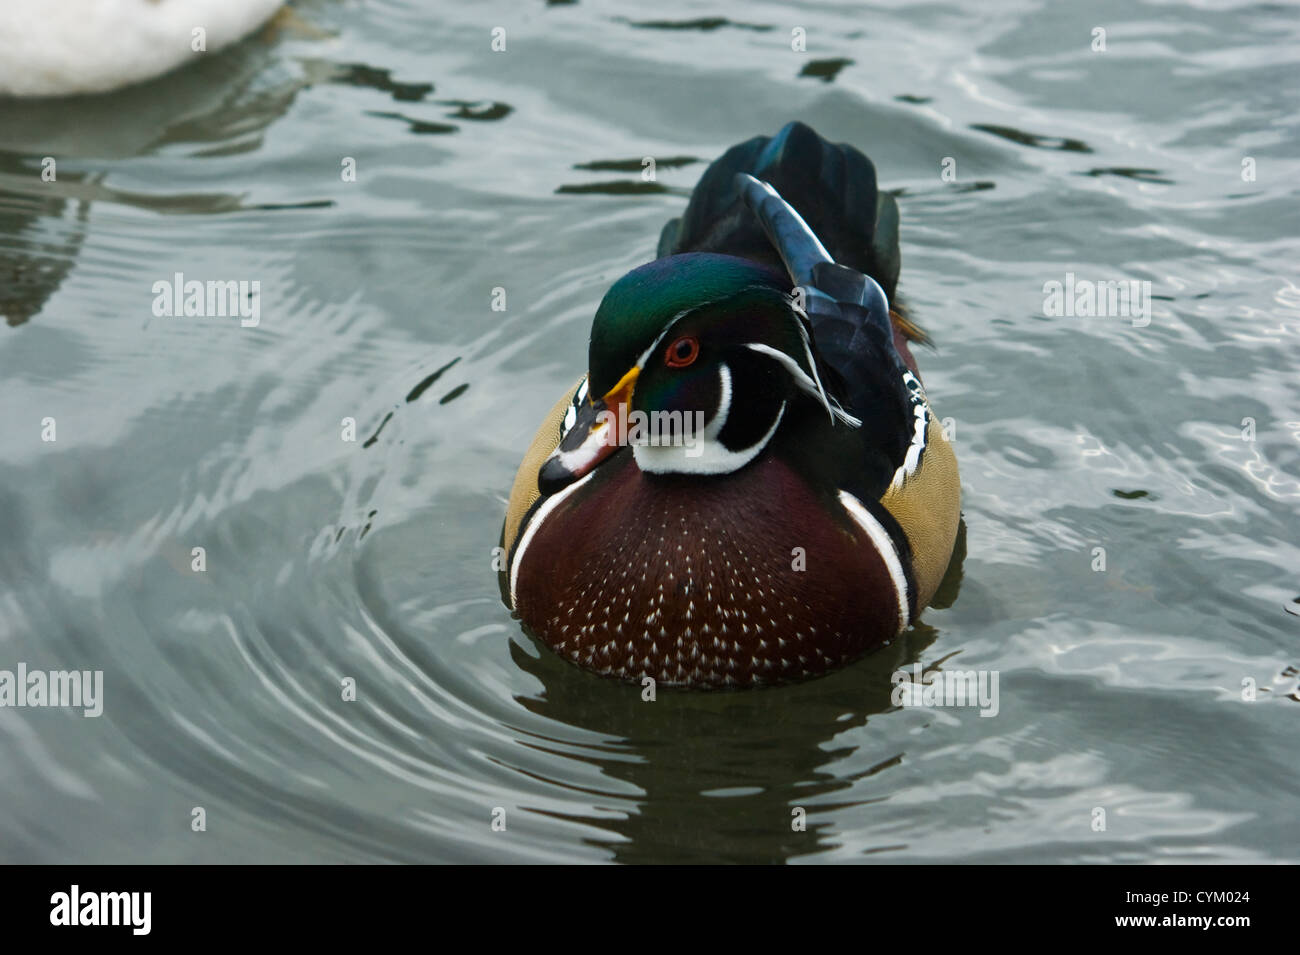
[(748, 578)]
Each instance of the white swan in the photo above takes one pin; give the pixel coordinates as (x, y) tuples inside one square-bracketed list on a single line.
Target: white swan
[(62, 47)]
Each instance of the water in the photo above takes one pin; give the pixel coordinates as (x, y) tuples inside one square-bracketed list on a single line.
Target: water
[(371, 560)]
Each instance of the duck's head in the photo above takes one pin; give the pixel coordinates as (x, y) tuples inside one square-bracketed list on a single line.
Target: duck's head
[(694, 361)]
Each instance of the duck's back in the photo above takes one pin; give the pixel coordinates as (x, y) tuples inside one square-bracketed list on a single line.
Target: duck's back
[(832, 185), (907, 462)]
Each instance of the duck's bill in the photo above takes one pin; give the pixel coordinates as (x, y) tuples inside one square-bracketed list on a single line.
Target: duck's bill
[(598, 432)]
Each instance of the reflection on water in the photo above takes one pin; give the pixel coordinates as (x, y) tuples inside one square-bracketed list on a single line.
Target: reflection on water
[(343, 465), (41, 238), (717, 776)]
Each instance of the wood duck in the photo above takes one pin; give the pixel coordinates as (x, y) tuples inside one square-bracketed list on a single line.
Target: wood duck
[(749, 485)]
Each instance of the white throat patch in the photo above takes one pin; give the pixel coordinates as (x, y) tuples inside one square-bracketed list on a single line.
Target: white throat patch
[(704, 453)]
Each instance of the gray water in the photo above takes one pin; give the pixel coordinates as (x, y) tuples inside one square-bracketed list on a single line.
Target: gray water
[(1121, 689)]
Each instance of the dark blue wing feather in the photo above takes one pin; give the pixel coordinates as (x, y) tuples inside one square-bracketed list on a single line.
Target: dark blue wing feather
[(813, 209)]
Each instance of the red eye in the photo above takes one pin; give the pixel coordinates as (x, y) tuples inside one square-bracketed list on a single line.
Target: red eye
[(682, 352)]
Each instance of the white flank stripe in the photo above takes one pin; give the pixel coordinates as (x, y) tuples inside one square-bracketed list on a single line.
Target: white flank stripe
[(921, 422), (547, 506), (885, 546)]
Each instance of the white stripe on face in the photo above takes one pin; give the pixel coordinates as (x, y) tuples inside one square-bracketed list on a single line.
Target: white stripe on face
[(708, 455), (811, 385)]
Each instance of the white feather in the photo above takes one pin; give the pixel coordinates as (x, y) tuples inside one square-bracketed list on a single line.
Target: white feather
[(920, 426), (832, 407), (811, 385), (884, 545), (530, 529), (62, 47)]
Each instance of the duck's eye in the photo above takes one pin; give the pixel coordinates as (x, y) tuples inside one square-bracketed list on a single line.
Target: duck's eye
[(682, 352)]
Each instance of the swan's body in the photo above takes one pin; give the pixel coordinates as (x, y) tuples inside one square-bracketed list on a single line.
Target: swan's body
[(64, 47)]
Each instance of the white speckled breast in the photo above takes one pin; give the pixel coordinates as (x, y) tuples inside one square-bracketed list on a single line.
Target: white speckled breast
[(701, 582)]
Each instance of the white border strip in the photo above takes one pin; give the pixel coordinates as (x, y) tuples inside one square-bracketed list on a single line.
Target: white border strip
[(547, 506), (885, 546)]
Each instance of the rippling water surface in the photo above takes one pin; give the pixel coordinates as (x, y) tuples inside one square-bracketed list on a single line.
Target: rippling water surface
[(371, 560)]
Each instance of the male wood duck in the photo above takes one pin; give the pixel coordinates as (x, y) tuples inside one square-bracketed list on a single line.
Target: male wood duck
[(748, 485)]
